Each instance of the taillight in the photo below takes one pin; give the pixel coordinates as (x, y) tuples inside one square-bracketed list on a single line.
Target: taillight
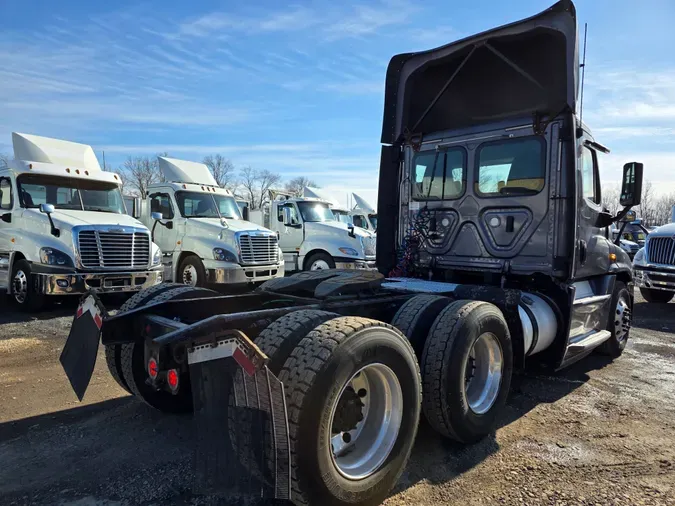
[(153, 368), (172, 379)]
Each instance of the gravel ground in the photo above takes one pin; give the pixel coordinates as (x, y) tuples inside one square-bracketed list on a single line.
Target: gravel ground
[(598, 433)]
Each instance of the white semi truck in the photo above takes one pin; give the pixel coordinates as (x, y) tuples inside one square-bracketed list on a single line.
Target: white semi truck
[(63, 226), (310, 237), (363, 214), (204, 239)]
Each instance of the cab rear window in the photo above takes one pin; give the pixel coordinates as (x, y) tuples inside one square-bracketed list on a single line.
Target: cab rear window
[(511, 167), (439, 175)]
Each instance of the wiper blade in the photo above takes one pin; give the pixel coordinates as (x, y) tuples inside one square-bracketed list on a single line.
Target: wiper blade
[(99, 210)]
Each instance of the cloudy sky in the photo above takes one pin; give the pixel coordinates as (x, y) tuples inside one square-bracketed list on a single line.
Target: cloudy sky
[(297, 89)]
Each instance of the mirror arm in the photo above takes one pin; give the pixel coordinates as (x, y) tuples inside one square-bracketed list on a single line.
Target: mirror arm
[(55, 231), (617, 241)]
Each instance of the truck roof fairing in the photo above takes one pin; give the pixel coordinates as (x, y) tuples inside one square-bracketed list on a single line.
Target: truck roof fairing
[(33, 148), (184, 171), (523, 68)]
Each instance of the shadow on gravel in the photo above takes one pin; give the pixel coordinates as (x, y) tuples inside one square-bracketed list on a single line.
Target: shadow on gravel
[(57, 308), (654, 316), (439, 460)]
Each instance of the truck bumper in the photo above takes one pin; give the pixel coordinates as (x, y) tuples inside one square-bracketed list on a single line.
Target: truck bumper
[(653, 277), (355, 264), (72, 283), (224, 273)]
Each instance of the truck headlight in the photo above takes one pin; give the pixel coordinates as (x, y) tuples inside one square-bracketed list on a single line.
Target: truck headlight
[(349, 251), (224, 255), (639, 258), (157, 257), (51, 256)]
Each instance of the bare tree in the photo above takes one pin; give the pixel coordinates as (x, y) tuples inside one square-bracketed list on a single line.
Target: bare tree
[(610, 198), (663, 209), (140, 172), (4, 160), (646, 208), (255, 185), (222, 170), (296, 185)]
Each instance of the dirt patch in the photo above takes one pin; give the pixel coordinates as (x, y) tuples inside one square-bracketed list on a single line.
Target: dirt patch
[(601, 432)]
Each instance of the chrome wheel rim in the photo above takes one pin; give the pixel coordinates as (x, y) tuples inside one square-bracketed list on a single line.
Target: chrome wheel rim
[(622, 320), (20, 286), (319, 265), (190, 275), (361, 449), (483, 373)]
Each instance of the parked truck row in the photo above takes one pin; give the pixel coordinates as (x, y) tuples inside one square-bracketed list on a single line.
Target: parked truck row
[(493, 252)]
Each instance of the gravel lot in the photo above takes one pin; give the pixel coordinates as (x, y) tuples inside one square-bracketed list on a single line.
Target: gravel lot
[(597, 433)]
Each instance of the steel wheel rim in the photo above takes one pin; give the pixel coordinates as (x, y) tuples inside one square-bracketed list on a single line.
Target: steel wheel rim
[(20, 286), (372, 439), (483, 373), (319, 265), (190, 275), (622, 319)]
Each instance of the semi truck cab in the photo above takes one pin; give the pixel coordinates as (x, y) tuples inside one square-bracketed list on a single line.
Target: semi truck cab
[(311, 238), (201, 230), (63, 226)]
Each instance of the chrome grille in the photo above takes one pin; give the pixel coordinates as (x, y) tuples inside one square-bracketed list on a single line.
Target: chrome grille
[(661, 250), (258, 249), (118, 250)]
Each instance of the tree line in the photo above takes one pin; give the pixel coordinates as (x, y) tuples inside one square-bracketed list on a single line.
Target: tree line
[(654, 210)]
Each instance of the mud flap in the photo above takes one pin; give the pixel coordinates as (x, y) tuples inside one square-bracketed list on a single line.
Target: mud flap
[(78, 357), (241, 429)]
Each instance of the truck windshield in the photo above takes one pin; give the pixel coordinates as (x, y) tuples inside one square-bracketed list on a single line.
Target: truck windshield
[(373, 220), (315, 211), (72, 194), (207, 205)]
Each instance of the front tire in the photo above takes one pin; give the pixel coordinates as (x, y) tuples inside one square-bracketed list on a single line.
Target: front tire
[(466, 369), (191, 272), (319, 262), (24, 288), (354, 393), (657, 296), (619, 322)]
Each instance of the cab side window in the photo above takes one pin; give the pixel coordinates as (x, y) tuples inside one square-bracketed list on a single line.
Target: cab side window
[(295, 220), (5, 194), (161, 203), (359, 221), (590, 177)]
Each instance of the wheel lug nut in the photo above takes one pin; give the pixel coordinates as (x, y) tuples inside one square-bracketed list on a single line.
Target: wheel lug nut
[(362, 392), (347, 437)]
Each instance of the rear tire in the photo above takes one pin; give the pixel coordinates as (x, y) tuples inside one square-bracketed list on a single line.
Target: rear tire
[(112, 351), (415, 317), (319, 262), (132, 359), (466, 369), (191, 272), (618, 322), (657, 296), (319, 376)]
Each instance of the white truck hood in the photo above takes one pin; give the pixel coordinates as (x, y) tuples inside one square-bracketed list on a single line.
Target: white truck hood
[(335, 227), (73, 218), (214, 226)]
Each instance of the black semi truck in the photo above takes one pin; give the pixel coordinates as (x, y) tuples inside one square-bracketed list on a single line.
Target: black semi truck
[(493, 252)]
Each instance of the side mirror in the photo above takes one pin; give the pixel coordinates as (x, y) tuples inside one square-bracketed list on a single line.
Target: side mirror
[(156, 216), (169, 225), (136, 213), (631, 185), (350, 228), (244, 214), (48, 209), (7, 217)]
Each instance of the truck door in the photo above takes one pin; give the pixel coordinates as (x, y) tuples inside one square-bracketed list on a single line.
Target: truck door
[(592, 248), (165, 238), (6, 218), (290, 238)]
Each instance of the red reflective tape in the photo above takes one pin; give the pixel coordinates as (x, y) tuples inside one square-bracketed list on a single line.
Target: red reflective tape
[(98, 321), (79, 311), (244, 362)]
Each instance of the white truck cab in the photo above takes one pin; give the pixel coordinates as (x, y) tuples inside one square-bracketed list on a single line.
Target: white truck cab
[(310, 237), (63, 226), (364, 215), (204, 239)]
